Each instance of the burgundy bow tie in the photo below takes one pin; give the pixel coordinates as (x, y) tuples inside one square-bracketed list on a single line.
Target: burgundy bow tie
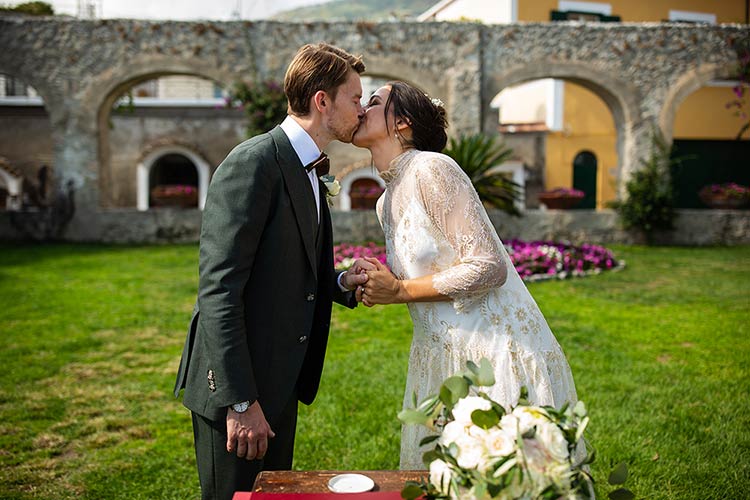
[(322, 165)]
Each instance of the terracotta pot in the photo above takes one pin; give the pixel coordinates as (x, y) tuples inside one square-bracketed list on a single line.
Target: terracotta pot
[(557, 202), (164, 198), (718, 200)]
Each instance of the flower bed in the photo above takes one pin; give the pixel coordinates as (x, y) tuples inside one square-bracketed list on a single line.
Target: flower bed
[(534, 261)]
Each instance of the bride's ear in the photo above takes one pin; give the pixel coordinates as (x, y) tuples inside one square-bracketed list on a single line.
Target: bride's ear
[(402, 124)]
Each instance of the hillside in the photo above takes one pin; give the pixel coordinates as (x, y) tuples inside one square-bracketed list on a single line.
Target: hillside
[(357, 10)]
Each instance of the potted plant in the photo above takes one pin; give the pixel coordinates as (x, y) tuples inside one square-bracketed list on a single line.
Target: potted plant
[(174, 195), (561, 198), (728, 195)]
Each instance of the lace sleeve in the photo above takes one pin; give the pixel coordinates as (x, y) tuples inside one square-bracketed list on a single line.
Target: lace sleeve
[(454, 207)]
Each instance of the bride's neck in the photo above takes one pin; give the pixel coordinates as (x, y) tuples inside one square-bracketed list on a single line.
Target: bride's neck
[(384, 153)]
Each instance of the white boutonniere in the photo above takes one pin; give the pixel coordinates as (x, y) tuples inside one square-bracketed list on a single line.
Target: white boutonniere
[(333, 188)]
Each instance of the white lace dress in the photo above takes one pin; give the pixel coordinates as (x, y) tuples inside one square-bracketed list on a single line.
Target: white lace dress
[(435, 224)]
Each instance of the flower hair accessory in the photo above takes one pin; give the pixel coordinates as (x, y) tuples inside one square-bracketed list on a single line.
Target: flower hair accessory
[(437, 102)]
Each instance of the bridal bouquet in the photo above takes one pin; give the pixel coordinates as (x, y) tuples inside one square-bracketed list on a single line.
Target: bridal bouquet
[(483, 451)]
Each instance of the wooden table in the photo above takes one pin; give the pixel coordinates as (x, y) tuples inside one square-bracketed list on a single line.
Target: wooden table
[(316, 481)]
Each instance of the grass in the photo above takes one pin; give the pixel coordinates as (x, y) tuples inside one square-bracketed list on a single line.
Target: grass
[(90, 339)]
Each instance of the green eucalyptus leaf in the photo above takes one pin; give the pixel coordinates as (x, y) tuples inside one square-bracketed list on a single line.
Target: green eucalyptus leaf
[(428, 440), (581, 428), (486, 375), (459, 386), (411, 491), (619, 474), (409, 416), (486, 419), (621, 494)]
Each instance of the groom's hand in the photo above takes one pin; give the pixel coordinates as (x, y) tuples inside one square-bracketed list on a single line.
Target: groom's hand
[(382, 287), (357, 274), (248, 432)]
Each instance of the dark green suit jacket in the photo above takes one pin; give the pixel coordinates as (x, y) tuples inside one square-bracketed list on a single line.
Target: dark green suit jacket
[(260, 325)]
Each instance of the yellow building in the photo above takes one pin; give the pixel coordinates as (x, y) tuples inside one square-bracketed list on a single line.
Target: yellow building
[(580, 145)]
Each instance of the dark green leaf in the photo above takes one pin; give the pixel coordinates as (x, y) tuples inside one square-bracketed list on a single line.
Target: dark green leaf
[(619, 474), (411, 492), (621, 494), (428, 440), (485, 419)]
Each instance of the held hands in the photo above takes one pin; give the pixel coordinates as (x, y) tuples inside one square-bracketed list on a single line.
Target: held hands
[(248, 432), (357, 274), (381, 287)]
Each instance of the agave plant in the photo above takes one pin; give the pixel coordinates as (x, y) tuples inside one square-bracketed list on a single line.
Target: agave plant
[(477, 155)]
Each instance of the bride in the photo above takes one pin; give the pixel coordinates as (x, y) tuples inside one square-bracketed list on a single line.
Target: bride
[(447, 263)]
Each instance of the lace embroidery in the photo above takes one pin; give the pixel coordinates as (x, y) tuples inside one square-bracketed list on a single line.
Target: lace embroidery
[(434, 224)]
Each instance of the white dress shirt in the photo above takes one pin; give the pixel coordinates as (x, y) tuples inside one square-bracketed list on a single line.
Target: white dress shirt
[(307, 152)]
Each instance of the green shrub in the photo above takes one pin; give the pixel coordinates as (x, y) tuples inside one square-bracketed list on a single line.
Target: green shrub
[(477, 155)]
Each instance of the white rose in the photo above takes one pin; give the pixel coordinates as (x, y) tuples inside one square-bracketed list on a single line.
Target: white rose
[(464, 408), (528, 417), (500, 442), (440, 475), (472, 453), (452, 432), (553, 440)]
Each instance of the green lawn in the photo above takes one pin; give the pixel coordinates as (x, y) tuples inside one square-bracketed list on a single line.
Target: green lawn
[(90, 340)]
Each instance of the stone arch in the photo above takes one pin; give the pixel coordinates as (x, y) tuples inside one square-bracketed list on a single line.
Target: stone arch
[(157, 150), (688, 83), (108, 87), (619, 96), (391, 68), (358, 170)]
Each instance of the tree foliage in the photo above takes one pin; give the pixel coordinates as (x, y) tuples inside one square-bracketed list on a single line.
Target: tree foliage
[(649, 205), (31, 8), (264, 103)]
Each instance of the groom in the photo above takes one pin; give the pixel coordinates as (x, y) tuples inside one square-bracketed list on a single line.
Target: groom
[(258, 334)]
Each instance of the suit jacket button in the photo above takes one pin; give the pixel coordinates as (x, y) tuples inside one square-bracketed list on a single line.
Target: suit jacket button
[(302, 339), (310, 297)]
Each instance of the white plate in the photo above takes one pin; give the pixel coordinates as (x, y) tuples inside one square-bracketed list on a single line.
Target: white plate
[(350, 483)]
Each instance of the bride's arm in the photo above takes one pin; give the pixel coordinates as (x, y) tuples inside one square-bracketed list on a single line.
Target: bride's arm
[(452, 204)]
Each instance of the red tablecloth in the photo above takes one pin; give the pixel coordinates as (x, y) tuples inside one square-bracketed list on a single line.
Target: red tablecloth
[(377, 495)]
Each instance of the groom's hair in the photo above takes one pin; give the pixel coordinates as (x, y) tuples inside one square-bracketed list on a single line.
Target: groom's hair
[(317, 67)]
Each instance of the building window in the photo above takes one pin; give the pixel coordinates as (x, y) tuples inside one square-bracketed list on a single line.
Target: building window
[(584, 11), (683, 16), (572, 15), (364, 194)]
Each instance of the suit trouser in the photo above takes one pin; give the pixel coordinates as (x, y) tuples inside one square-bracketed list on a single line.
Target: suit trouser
[(222, 473)]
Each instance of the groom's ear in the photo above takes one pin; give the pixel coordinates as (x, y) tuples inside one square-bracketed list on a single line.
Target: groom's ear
[(320, 101)]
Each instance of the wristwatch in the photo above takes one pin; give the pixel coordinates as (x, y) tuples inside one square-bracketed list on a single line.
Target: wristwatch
[(241, 407)]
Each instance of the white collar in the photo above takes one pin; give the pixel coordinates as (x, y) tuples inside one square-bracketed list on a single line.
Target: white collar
[(306, 149)]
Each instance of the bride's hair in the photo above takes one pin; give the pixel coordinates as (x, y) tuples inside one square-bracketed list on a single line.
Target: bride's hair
[(425, 116)]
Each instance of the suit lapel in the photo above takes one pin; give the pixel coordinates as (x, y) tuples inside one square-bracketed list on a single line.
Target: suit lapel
[(300, 193)]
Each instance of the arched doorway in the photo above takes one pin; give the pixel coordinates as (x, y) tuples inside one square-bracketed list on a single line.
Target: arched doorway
[(584, 178), (168, 110), (549, 123), (706, 143), (364, 193), (172, 176), (359, 185)]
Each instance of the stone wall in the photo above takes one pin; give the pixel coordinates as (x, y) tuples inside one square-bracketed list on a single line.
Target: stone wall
[(641, 71), (692, 227)]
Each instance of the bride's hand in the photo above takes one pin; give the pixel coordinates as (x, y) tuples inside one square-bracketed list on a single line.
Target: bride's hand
[(382, 287)]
